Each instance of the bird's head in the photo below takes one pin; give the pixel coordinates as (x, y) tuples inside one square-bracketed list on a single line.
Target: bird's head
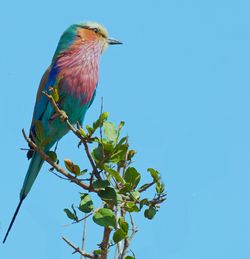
[(92, 31), (84, 33)]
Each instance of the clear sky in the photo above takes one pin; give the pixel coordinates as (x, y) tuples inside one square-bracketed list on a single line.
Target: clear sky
[(180, 81)]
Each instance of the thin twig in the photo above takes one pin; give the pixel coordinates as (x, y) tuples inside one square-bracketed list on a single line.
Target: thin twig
[(118, 214), (59, 176), (125, 160), (95, 171), (60, 170), (84, 234), (100, 116), (127, 241), (77, 249), (26, 149), (91, 213), (146, 186), (132, 223), (101, 125), (132, 253), (84, 217)]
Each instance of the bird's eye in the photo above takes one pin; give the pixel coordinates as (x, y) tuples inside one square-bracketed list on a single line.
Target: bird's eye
[(96, 30)]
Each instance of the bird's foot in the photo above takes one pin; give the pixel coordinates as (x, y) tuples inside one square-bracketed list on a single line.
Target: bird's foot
[(63, 116)]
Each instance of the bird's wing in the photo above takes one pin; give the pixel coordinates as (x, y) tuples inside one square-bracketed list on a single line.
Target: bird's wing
[(41, 102), (48, 80)]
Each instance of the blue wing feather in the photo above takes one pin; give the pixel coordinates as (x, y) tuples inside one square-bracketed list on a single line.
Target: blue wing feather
[(48, 80)]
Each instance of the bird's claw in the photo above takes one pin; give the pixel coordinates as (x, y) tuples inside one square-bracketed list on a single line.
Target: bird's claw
[(63, 116)]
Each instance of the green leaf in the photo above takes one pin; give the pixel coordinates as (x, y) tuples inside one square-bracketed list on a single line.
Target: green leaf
[(55, 90), (150, 212), (108, 147), (101, 184), (143, 186), (97, 153), (132, 177), (74, 169), (110, 131), (129, 257), (52, 155), (119, 235), (103, 117), (114, 174), (131, 154), (120, 126), (96, 125), (84, 171), (119, 154), (55, 94), (86, 204), (154, 173), (71, 215), (144, 202), (124, 190), (108, 195), (131, 207), (123, 225), (122, 141), (90, 130), (82, 132), (72, 207), (135, 195), (160, 188), (105, 217)]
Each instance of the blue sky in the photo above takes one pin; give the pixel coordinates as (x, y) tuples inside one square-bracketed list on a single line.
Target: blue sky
[(180, 81)]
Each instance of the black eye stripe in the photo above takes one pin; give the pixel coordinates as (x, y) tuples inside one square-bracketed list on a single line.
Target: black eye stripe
[(96, 30)]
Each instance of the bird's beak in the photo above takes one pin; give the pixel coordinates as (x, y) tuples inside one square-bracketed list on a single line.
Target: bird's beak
[(113, 41)]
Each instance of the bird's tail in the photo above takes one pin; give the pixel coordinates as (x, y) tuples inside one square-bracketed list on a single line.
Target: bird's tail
[(33, 170), (13, 219)]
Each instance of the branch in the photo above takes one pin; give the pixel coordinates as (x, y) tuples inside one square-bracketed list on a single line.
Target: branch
[(146, 186), (105, 243), (46, 158), (88, 215), (77, 249), (159, 199), (84, 235), (127, 241), (65, 118)]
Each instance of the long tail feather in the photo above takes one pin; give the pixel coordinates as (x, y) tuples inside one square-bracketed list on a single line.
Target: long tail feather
[(13, 219), (33, 170)]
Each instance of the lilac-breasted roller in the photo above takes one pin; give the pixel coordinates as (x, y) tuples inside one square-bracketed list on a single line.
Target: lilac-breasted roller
[(74, 73)]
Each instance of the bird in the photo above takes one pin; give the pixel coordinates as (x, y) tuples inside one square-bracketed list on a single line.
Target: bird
[(73, 73)]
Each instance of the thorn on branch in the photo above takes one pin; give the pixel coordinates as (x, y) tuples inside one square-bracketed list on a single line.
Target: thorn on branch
[(26, 149), (77, 249)]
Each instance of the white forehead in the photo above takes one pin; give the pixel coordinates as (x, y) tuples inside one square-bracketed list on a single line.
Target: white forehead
[(93, 25)]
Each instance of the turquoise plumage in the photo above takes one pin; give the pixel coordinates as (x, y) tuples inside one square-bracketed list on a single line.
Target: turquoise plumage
[(74, 73)]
